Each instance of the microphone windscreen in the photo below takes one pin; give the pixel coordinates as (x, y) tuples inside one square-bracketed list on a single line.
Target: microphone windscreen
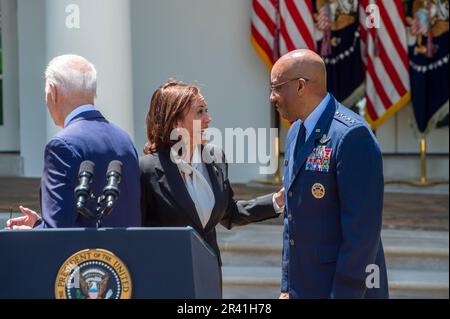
[(115, 166), (87, 166)]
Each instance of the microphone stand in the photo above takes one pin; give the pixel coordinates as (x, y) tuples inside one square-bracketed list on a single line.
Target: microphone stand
[(83, 210), (100, 211)]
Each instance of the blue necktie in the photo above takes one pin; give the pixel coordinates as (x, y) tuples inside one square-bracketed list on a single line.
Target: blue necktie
[(300, 140)]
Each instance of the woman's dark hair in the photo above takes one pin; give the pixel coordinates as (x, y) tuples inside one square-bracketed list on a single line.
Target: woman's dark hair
[(169, 104)]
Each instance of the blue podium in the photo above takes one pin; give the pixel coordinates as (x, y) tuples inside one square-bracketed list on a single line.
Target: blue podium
[(140, 263)]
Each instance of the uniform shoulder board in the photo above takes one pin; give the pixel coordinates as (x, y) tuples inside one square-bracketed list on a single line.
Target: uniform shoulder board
[(345, 118)]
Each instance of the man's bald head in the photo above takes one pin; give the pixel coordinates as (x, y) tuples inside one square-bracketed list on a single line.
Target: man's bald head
[(299, 83), (303, 63)]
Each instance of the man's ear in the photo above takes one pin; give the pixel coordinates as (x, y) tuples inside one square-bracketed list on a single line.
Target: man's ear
[(53, 90), (301, 84)]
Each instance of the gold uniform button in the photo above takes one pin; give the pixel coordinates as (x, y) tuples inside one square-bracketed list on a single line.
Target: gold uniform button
[(291, 242)]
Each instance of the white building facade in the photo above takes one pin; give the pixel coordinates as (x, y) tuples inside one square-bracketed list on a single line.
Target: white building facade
[(138, 44)]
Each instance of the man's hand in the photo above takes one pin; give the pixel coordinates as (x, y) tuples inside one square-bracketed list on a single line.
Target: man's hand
[(25, 222), (279, 198), (284, 295)]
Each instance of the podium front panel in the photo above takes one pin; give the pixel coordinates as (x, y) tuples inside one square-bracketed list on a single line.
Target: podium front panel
[(162, 263)]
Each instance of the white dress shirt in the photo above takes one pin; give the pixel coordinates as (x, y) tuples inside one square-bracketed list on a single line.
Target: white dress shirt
[(198, 185), (312, 119)]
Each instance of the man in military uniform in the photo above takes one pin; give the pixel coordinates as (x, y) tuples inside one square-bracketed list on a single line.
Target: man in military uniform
[(334, 189)]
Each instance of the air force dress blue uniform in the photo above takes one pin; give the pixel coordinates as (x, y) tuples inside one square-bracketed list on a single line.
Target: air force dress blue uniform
[(88, 136), (334, 201)]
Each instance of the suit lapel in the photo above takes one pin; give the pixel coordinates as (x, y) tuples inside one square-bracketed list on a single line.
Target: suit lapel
[(173, 182), (320, 129)]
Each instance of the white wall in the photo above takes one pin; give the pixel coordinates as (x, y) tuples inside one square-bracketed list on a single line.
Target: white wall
[(397, 135), (207, 41), (32, 61), (103, 37)]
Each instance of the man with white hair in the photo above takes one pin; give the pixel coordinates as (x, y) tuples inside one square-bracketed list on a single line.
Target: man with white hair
[(70, 88)]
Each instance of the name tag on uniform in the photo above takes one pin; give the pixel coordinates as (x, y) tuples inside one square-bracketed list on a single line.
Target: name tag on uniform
[(319, 160)]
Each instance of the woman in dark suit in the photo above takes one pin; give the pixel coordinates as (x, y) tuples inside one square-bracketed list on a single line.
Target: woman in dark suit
[(177, 189)]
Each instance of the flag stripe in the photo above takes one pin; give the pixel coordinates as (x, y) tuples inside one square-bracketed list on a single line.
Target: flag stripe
[(377, 105), (291, 28), (287, 38), (306, 10), (387, 65), (262, 29), (370, 109), (263, 15), (392, 55), (385, 100), (310, 7), (262, 43), (300, 23), (386, 82), (392, 26)]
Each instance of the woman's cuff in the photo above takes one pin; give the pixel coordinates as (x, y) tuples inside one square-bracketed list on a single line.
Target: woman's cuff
[(277, 208)]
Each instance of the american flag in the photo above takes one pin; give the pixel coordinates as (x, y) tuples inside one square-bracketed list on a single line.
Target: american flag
[(324, 19), (386, 60), (324, 24), (280, 26)]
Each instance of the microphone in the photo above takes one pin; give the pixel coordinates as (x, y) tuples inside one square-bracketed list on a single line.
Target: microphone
[(83, 192), (111, 191)]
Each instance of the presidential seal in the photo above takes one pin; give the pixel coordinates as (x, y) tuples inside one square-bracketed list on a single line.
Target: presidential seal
[(93, 274)]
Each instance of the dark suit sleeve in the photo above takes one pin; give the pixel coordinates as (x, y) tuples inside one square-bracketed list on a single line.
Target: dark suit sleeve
[(57, 187), (243, 212), (359, 171), (147, 202), (285, 257)]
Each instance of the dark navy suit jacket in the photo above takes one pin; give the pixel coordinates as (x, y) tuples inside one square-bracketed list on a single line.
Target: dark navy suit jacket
[(88, 136), (332, 233)]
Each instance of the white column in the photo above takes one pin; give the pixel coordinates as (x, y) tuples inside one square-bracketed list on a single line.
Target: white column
[(9, 131), (104, 38)]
